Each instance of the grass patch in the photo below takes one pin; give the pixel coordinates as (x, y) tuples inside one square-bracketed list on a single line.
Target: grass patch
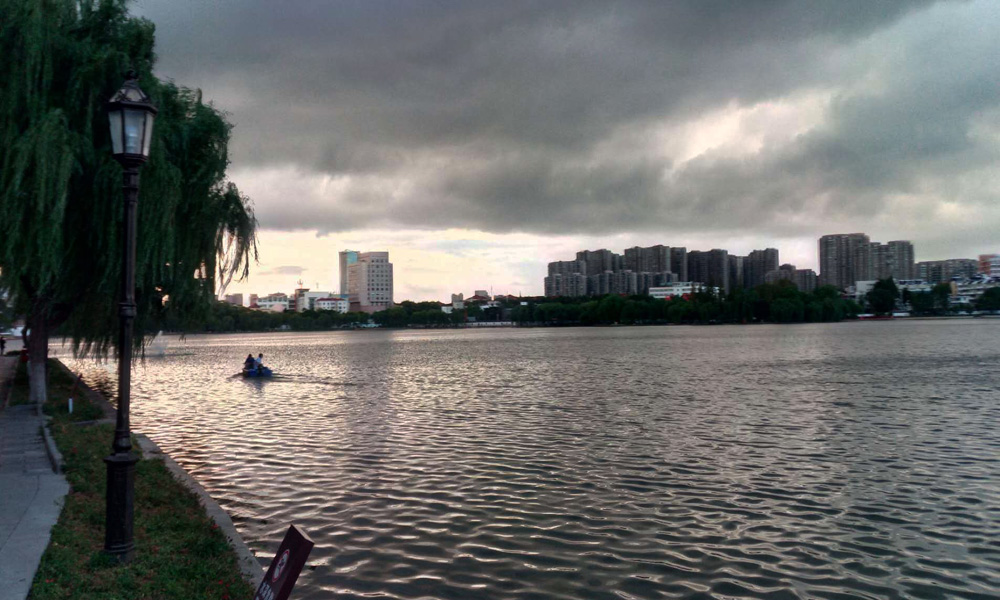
[(180, 552), (61, 387)]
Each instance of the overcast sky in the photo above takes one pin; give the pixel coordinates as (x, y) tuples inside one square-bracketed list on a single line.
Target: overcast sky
[(477, 141)]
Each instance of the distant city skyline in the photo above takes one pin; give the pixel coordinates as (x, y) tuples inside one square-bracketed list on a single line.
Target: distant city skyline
[(467, 252), (477, 141)]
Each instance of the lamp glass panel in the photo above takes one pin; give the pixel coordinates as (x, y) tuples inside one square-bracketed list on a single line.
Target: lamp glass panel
[(134, 124), (148, 135), (115, 119)]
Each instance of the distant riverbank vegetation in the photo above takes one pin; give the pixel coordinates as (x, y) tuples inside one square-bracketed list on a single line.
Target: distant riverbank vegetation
[(780, 302)]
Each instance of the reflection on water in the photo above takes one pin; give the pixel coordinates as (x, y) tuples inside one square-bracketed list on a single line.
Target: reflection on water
[(821, 461)]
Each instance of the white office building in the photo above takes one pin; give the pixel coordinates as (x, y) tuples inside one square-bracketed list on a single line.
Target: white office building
[(678, 288), (306, 300), (335, 303), (276, 302)]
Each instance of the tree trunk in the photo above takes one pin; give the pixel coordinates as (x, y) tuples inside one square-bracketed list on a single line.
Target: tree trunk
[(37, 327)]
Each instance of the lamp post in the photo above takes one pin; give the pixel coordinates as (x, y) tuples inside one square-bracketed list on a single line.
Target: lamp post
[(130, 113)]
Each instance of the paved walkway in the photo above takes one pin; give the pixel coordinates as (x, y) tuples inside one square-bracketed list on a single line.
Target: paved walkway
[(31, 495)]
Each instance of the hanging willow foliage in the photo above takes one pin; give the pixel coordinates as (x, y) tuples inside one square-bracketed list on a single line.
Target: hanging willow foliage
[(60, 188)]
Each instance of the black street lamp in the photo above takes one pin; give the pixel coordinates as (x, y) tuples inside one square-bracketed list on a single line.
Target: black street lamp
[(131, 114)]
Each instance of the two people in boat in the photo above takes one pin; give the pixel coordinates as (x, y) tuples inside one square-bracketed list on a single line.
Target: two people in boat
[(252, 363)]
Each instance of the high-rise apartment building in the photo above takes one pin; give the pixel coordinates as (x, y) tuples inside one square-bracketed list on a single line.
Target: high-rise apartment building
[(883, 261), (900, 259), (737, 272), (805, 279), (679, 264), (941, 271), (655, 259), (347, 258), (370, 282), (567, 267), (842, 258), (710, 268), (697, 266), (570, 284), (758, 264), (599, 261), (847, 258)]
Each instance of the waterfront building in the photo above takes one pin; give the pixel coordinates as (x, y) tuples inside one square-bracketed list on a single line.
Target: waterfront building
[(347, 258), (276, 302), (989, 264), (370, 282), (973, 288), (306, 300), (914, 286), (679, 289), (940, 271), (234, 299), (335, 303), (253, 301), (296, 302)]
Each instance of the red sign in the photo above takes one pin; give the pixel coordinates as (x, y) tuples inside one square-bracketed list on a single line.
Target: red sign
[(286, 566)]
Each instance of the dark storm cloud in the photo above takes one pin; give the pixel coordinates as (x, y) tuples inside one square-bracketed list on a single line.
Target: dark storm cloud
[(498, 115)]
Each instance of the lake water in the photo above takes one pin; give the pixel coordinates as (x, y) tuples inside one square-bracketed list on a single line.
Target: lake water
[(854, 460)]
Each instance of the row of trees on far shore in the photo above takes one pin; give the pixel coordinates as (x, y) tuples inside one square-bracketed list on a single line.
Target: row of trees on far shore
[(770, 303), (885, 297), (780, 302)]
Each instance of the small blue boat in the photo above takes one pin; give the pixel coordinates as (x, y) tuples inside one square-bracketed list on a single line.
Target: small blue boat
[(257, 372)]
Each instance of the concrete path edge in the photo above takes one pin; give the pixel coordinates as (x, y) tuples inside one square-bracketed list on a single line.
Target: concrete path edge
[(55, 457), (249, 565)]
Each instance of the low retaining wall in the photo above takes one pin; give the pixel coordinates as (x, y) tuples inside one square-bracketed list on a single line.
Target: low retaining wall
[(249, 565)]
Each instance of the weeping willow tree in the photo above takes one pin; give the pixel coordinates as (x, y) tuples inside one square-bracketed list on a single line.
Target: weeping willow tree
[(60, 188)]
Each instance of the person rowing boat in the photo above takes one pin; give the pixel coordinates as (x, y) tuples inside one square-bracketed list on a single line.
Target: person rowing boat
[(254, 367)]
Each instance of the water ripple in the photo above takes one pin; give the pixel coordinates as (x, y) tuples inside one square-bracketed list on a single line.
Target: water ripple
[(817, 461)]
